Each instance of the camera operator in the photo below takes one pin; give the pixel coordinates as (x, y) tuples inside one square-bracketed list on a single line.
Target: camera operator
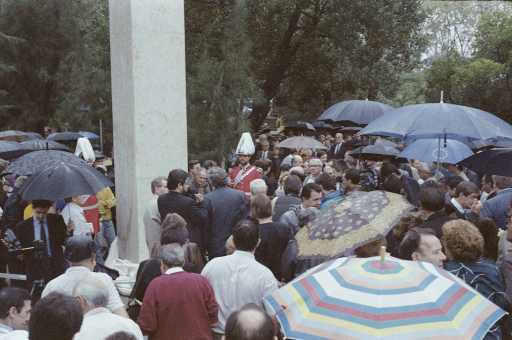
[(45, 235)]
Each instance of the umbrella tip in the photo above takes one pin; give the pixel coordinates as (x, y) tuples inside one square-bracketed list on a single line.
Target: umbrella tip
[(382, 254), (442, 97)]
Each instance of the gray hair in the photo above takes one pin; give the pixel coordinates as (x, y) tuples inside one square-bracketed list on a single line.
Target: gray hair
[(172, 255), (157, 182), (217, 177), (422, 166), (258, 186), (92, 290)]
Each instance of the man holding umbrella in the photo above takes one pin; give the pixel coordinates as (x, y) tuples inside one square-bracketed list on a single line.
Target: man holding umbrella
[(241, 176)]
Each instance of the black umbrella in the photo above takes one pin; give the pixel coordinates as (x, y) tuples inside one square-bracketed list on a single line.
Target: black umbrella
[(300, 126), (359, 112), (10, 150), (64, 180), (64, 136), (41, 144), (491, 162), (36, 161), (321, 125)]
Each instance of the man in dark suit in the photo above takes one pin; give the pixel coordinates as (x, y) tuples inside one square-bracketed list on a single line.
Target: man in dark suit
[(337, 151), (226, 207), (432, 205), (465, 204), (497, 208), (188, 207), (46, 261)]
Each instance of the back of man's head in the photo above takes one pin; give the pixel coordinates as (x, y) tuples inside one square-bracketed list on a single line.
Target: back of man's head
[(174, 230), (12, 297), (327, 182), (502, 182), (56, 316), (258, 186), (466, 188), (353, 175), (79, 248), (217, 177), (249, 323), (309, 188), (292, 185), (431, 199), (452, 181), (246, 235), (175, 178), (91, 291), (172, 255)]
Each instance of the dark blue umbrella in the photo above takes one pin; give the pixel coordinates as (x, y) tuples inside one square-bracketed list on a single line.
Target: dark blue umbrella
[(41, 144), (36, 161), (491, 162), (32, 135), (10, 150), (89, 135), (360, 112), (437, 150), (64, 180), (438, 120), (321, 125), (64, 136)]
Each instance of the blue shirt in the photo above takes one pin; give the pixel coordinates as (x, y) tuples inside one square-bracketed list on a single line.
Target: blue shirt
[(37, 233), (331, 198)]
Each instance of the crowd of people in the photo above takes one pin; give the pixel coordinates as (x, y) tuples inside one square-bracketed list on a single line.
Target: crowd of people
[(220, 242)]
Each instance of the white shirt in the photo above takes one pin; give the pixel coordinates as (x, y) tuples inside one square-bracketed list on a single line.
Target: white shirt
[(237, 279), (173, 270), (14, 335), (67, 282), (99, 323), (72, 212), (457, 205)]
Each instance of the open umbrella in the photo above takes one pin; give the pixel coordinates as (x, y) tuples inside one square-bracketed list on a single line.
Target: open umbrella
[(322, 125), (359, 112), (64, 180), (301, 142), (89, 135), (10, 149), (41, 144), (64, 136), (491, 162), (437, 150), (371, 298), (36, 161), (375, 152), (32, 135), (438, 120), (360, 218)]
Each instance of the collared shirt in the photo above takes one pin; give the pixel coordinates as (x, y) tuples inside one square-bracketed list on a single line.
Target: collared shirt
[(457, 205), (237, 279), (74, 213), (100, 323), (14, 335), (67, 282), (37, 233), (173, 270)]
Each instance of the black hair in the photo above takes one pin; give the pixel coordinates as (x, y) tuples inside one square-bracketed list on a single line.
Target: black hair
[(387, 169), (411, 242), (237, 329), (175, 178), (79, 248), (246, 235), (121, 335), (489, 232), (12, 297), (431, 198), (353, 175), (308, 189), (292, 185), (56, 316), (452, 181), (466, 188), (45, 204), (327, 182), (193, 163)]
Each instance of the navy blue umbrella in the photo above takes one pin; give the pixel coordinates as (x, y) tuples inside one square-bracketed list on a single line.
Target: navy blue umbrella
[(64, 136), (41, 144), (438, 120), (359, 112), (36, 161), (437, 150), (10, 150), (89, 135), (491, 162), (64, 180)]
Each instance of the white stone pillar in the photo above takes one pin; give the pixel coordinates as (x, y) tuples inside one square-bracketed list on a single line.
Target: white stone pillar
[(147, 45)]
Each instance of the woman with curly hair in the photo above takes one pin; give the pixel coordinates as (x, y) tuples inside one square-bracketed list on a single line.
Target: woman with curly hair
[(464, 248)]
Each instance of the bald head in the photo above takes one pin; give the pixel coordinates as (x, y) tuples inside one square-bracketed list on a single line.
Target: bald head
[(249, 323)]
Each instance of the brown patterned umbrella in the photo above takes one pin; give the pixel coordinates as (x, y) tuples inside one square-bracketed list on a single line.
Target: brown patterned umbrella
[(358, 219)]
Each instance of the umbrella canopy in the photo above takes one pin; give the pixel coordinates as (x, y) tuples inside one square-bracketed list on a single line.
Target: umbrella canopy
[(377, 151), (11, 134), (301, 142), (491, 162), (360, 112), (322, 125), (41, 144), (437, 150), (437, 120), (89, 134), (64, 180), (352, 298), (359, 218), (64, 136), (300, 126), (10, 149), (32, 135), (36, 161)]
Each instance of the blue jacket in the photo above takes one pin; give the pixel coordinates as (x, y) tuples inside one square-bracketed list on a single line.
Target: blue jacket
[(331, 198), (497, 208)]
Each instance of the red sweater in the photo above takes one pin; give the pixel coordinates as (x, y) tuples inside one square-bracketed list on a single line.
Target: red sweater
[(178, 306)]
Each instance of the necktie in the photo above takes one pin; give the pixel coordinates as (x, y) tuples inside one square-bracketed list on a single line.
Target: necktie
[(42, 235), (337, 149)]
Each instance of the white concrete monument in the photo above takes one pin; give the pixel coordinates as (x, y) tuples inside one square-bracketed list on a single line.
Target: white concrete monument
[(147, 44)]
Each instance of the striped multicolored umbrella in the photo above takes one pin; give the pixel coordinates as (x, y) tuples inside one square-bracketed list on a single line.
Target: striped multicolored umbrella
[(352, 298)]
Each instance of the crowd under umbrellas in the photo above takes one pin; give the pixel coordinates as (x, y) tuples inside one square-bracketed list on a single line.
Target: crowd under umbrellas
[(357, 250)]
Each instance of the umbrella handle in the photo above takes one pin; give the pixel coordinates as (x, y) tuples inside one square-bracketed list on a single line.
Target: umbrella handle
[(382, 254)]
